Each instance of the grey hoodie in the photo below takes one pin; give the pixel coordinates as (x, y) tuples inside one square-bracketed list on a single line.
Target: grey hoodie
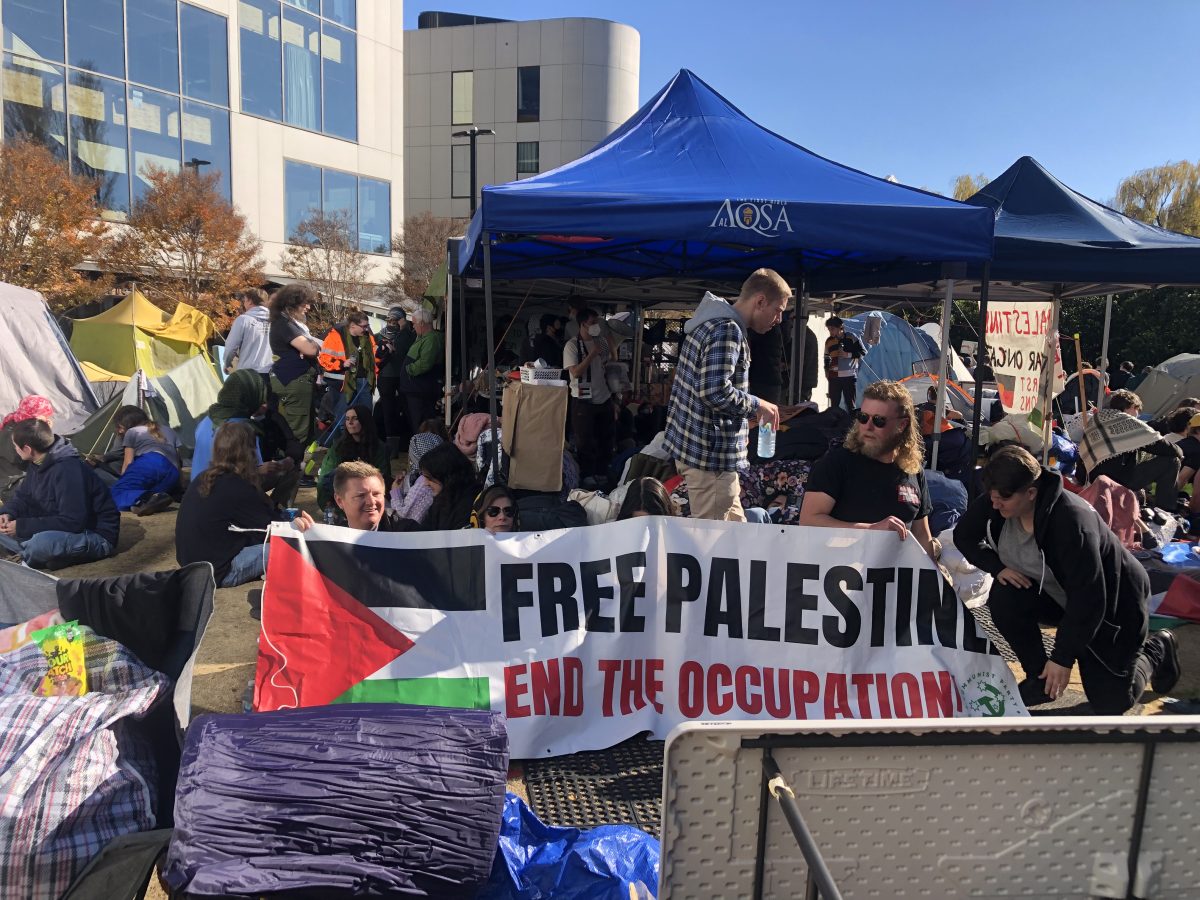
[(248, 340), (713, 307)]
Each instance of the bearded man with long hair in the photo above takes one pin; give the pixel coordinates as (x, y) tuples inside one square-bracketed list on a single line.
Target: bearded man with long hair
[(875, 481)]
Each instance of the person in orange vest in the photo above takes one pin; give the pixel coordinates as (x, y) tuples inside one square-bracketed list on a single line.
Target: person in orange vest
[(347, 359)]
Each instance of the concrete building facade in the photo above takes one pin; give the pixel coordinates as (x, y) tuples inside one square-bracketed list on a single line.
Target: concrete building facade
[(294, 102), (550, 89)]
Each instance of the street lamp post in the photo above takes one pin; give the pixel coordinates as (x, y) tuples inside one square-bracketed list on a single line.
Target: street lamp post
[(194, 164), (472, 134)]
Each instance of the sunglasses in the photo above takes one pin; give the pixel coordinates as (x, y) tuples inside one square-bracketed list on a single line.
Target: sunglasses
[(495, 511), (877, 421)]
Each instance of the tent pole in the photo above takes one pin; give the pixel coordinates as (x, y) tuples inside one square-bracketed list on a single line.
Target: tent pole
[(449, 343), (799, 327), (1104, 342), (637, 346), (490, 381), (1046, 393), (939, 411), (463, 366), (981, 355)]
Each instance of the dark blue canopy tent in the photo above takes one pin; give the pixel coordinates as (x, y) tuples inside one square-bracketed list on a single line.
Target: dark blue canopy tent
[(690, 187), (1051, 243)]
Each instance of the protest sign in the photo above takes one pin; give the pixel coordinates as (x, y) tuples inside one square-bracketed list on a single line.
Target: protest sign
[(1020, 339), (587, 636)]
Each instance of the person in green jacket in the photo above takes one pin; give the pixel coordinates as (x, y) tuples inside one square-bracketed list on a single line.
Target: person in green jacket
[(360, 441), (422, 366)]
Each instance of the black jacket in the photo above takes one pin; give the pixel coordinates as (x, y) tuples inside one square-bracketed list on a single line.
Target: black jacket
[(202, 527), (63, 493), (1106, 587)]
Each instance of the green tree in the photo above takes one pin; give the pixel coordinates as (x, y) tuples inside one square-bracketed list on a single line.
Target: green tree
[(966, 185), (1167, 196)]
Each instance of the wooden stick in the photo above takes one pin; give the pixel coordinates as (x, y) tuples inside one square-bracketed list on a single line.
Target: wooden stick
[(1079, 368)]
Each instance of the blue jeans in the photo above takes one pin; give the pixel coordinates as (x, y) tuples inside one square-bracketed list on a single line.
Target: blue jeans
[(248, 565), (150, 473), (56, 549), (757, 515)]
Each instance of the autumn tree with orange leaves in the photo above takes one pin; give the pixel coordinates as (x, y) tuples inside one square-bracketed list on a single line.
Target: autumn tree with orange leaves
[(421, 246), (185, 243), (49, 225)]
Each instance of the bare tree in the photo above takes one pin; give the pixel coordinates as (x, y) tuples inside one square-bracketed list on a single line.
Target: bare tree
[(325, 256), (184, 242), (49, 224), (1166, 195), (421, 246)]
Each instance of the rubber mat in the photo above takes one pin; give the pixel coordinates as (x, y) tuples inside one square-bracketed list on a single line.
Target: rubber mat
[(618, 786)]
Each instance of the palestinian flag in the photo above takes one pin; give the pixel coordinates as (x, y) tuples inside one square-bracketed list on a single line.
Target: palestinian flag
[(329, 616), (1175, 595)]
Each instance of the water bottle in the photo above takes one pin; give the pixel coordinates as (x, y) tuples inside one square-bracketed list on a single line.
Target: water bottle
[(766, 441), (330, 515)]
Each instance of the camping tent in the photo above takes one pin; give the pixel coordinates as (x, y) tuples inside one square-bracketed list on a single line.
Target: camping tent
[(902, 351), (136, 334), (1169, 382), (38, 360)]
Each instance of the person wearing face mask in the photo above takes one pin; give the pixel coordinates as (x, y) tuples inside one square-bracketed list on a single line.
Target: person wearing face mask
[(496, 511), (1055, 562), (585, 359)]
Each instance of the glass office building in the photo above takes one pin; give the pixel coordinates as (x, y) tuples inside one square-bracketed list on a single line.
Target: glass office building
[(275, 96)]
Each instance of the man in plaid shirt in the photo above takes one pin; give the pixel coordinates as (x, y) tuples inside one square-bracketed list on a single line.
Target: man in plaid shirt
[(710, 402)]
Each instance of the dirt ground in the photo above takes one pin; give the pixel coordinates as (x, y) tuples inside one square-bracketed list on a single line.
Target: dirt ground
[(227, 652)]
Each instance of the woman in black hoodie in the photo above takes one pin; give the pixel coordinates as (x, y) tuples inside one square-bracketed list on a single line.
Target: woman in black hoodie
[(455, 486), (1055, 562)]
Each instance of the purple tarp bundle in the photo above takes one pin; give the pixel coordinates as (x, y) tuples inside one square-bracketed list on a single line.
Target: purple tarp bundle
[(354, 800)]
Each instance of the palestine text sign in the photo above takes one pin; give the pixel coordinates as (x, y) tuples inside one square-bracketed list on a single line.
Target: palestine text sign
[(1019, 335), (585, 637)]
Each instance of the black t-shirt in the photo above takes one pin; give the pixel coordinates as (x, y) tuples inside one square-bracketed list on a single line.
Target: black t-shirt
[(290, 365), (867, 491), (1190, 448)]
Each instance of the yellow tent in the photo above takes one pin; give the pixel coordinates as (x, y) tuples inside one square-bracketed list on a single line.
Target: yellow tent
[(136, 334)]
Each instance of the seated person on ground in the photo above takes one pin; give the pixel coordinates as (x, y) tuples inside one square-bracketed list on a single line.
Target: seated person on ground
[(1190, 470), (242, 398), (412, 495), (875, 480), (1056, 563), (149, 463), (452, 478), (646, 497), (1115, 443), (359, 492), (359, 441), (227, 493), (61, 514), (496, 511)]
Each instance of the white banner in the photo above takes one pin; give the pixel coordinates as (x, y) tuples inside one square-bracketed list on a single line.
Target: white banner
[(585, 637), (1020, 336)]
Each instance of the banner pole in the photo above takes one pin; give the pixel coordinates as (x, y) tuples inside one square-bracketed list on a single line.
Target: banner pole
[(1046, 388), (493, 450), (943, 365), (1108, 302), (1079, 380), (981, 356), (449, 343)]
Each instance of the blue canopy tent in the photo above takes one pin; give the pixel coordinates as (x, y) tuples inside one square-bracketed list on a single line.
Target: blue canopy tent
[(690, 187), (1052, 243)]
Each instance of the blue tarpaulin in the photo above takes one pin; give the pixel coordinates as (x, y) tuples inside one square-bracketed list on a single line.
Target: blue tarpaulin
[(690, 186)]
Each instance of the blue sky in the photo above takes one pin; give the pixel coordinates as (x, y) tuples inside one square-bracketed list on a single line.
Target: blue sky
[(930, 89)]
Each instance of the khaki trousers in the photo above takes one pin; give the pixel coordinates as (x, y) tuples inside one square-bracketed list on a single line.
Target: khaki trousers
[(713, 495)]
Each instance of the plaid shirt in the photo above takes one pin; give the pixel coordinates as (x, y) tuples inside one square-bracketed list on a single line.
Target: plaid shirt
[(710, 402)]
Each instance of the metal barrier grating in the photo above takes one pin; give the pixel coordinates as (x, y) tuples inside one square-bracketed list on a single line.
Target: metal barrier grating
[(618, 786)]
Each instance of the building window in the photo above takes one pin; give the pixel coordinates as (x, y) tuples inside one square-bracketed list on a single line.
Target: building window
[(34, 29), (341, 11), (339, 59), (366, 203), (96, 36), (99, 145), (527, 158), (301, 70), (205, 45), (154, 43), (35, 103), (318, 59), (462, 98), (259, 27), (529, 94), (460, 171), (115, 129), (374, 215)]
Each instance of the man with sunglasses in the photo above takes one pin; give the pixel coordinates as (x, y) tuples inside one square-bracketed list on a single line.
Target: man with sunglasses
[(711, 402), (875, 481), (1055, 562)]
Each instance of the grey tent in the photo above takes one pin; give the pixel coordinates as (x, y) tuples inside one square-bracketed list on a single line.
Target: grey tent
[(1169, 382), (38, 360)]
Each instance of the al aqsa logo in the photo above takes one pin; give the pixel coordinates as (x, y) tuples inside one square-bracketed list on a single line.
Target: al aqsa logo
[(767, 218), (986, 694)]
